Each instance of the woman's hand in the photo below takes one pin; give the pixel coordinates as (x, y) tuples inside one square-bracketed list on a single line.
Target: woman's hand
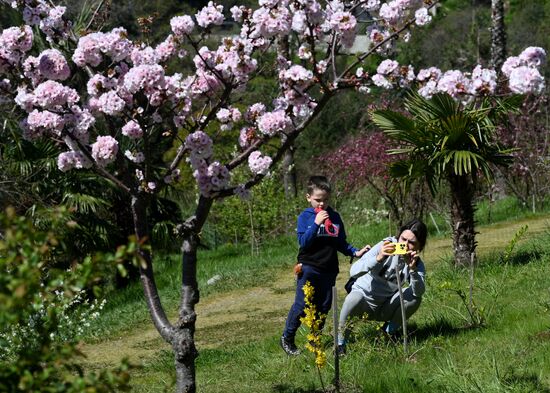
[(361, 252), (411, 258), (387, 249)]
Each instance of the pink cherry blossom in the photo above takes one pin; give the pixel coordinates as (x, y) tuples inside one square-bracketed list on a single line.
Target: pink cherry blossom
[(72, 159), (271, 123), (182, 25), (104, 150), (136, 157), (269, 22), (200, 144), (40, 123), (422, 17), (483, 81), (454, 83), (242, 192), (381, 81), (132, 129), (52, 95), (210, 15), (78, 122), (258, 163), (111, 104), (525, 80), (92, 47), (533, 56), (387, 67), (510, 64), (53, 65)]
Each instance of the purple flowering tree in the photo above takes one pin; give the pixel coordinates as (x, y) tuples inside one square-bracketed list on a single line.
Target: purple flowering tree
[(118, 111), (364, 161)]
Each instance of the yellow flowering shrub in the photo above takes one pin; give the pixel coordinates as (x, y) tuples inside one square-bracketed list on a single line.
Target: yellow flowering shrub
[(313, 320)]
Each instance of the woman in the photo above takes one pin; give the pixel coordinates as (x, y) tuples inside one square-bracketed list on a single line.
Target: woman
[(375, 291)]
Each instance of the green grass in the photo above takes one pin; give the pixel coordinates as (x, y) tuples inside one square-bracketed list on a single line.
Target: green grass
[(510, 353), (236, 265)]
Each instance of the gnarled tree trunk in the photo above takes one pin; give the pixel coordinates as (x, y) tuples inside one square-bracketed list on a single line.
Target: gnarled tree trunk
[(183, 342), (139, 214), (181, 335), (462, 218)]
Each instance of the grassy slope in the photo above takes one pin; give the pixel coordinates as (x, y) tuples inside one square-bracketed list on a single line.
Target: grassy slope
[(238, 328)]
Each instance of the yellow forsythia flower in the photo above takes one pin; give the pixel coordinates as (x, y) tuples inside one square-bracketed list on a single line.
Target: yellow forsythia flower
[(313, 320)]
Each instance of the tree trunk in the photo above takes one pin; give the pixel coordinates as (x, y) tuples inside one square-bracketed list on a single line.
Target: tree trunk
[(498, 34), (289, 174), (183, 344), (139, 213), (462, 218)]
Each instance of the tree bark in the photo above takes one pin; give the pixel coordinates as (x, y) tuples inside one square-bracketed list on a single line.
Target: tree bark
[(462, 218), (161, 322), (289, 174), (183, 343), (498, 35)]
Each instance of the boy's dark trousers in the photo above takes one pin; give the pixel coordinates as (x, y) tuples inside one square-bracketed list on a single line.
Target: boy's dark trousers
[(322, 283)]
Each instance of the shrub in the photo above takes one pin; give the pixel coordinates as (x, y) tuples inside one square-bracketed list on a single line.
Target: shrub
[(34, 300)]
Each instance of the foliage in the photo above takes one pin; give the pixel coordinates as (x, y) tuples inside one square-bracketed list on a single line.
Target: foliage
[(528, 21), (364, 162), (509, 250), (267, 213), (74, 319), (440, 139), (34, 298), (437, 45), (99, 212), (528, 133)]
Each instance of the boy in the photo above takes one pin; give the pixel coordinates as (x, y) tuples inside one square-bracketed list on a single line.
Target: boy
[(320, 235)]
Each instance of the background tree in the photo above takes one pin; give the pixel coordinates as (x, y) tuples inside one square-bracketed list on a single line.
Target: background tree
[(498, 34), (442, 141)]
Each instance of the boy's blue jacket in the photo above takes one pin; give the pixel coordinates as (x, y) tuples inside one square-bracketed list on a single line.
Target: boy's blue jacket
[(318, 247)]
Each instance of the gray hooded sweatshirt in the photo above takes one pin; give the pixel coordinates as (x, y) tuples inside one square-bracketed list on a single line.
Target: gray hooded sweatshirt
[(378, 280)]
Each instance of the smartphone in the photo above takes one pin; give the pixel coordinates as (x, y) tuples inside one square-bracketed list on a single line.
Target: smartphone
[(400, 248)]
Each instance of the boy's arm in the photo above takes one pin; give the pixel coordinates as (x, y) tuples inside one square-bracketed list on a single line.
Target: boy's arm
[(367, 262), (306, 230), (343, 246)]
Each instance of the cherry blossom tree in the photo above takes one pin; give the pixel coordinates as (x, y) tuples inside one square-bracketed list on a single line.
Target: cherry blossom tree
[(114, 105)]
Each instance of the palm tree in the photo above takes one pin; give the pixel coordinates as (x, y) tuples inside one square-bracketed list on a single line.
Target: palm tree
[(498, 34), (443, 140)]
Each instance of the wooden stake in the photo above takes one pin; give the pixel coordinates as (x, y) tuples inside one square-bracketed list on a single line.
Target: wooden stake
[(336, 357), (403, 315)]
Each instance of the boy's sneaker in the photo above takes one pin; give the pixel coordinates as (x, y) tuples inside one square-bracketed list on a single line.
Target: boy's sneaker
[(289, 347)]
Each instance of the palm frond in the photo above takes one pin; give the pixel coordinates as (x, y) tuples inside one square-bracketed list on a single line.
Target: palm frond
[(163, 234), (438, 107), (85, 203), (392, 122)]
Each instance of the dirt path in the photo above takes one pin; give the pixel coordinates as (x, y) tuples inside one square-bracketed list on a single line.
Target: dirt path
[(260, 309)]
